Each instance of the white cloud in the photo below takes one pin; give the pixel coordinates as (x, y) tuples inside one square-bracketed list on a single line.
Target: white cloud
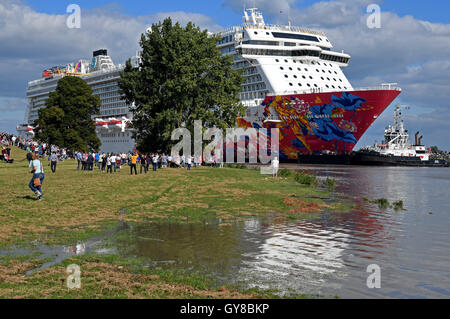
[(32, 41)]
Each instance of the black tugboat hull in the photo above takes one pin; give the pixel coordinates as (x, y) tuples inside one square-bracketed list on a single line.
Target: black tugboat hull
[(368, 159), (376, 159)]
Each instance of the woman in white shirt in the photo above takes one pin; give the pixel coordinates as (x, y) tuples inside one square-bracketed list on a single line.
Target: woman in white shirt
[(38, 177)]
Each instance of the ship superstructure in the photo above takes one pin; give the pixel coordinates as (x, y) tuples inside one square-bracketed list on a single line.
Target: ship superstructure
[(397, 143), (282, 59)]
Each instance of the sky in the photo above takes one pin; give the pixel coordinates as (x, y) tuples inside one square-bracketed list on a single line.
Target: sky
[(411, 48)]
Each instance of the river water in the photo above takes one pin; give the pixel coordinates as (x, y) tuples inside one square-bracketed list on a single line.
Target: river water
[(329, 255)]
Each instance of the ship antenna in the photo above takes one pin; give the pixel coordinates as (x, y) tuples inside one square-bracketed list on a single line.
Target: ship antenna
[(289, 17)]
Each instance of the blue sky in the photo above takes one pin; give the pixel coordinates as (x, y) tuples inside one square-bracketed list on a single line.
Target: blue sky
[(412, 47), (435, 10)]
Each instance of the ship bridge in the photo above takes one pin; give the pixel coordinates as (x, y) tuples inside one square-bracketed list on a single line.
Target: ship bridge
[(281, 59)]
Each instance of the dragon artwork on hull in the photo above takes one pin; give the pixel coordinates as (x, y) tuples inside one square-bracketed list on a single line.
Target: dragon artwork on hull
[(312, 124)]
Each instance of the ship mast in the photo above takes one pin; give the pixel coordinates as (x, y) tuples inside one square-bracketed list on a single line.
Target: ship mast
[(395, 135), (253, 17)]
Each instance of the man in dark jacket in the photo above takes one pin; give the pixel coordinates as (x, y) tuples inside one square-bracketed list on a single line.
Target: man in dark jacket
[(90, 162)]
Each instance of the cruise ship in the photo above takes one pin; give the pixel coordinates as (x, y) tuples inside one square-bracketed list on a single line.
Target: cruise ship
[(102, 75), (293, 81)]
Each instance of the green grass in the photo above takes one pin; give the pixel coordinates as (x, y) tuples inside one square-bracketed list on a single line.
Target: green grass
[(286, 173), (79, 205)]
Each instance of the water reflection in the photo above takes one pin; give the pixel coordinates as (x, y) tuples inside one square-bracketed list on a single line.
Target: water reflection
[(328, 255)]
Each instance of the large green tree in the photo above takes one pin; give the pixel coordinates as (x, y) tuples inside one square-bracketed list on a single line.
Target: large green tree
[(66, 120), (182, 77)]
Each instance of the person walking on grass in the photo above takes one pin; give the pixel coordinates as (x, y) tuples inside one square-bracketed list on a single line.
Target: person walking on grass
[(155, 162), (118, 162), (108, 164), (79, 159), (133, 163), (113, 162), (53, 161), (103, 162), (100, 161), (38, 176), (142, 160), (85, 161), (189, 162), (29, 157), (90, 162), (97, 159), (148, 161)]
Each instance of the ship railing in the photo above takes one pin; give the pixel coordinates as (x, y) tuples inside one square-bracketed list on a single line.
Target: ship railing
[(318, 90), (118, 67), (387, 86), (230, 30), (277, 27), (273, 27)]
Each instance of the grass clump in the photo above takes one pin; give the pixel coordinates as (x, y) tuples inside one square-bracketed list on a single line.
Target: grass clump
[(306, 179), (382, 203), (398, 205), (330, 183)]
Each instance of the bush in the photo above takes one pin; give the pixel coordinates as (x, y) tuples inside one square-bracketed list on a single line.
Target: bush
[(305, 179), (330, 183), (285, 173)]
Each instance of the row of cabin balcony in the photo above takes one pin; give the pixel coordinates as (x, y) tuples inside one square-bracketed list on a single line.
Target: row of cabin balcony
[(277, 43), (341, 59)]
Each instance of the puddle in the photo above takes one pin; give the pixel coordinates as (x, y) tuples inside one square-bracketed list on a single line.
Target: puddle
[(59, 253)]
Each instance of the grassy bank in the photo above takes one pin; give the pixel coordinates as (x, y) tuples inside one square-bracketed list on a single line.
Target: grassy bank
[(78, 205)]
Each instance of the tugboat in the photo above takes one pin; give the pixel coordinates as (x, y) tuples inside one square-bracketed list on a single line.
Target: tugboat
[(396, 149)]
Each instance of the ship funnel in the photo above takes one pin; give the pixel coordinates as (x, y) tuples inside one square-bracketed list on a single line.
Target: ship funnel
[(420, 140), (100, 52), (417, 134)]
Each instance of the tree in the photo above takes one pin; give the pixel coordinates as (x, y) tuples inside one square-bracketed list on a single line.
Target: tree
[(435, 149), (66, 120), (182, 77)]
